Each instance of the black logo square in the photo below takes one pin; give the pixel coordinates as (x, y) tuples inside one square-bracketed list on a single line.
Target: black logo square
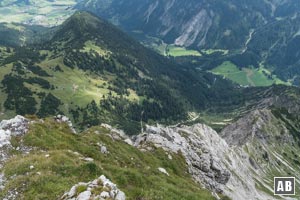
[(284, 185)]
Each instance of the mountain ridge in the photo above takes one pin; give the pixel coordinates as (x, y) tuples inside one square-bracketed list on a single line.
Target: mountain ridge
[(238, 163)]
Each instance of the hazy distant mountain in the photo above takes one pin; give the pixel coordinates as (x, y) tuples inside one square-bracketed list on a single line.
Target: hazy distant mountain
[(208, 24), (266, 30)]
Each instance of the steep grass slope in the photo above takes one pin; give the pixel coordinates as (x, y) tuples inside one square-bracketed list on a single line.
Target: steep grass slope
[(58, 160)]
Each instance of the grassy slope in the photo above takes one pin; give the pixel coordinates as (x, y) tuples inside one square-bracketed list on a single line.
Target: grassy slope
[(72, 86), (288, 153), (180, 51), (246, 76), (77, 86), (134, 172), (230, 71), (165, 49), (91, 46)]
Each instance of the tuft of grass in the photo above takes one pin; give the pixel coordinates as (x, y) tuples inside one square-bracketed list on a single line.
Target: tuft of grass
[(80, 188)]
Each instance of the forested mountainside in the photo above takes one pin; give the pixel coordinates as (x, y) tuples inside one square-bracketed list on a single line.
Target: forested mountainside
[(252, 43), (92, 71)]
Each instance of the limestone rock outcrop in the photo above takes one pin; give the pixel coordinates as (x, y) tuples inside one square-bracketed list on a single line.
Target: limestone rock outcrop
[(12, 127), (211, 161), (98, 189)]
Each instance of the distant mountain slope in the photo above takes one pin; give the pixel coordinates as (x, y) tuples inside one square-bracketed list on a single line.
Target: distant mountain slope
[(198, 24), (14, 34), (259, 33), (266, 33), (277, 45)]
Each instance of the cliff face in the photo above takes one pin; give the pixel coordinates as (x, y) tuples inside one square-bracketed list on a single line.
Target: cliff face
[(241, 161), (211, 161), (200, 145)]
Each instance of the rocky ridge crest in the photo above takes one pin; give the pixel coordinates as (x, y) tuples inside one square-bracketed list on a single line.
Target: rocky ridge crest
[(233, 162), (237, 162)]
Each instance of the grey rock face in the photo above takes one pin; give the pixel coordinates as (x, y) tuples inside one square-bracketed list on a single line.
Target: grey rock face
[(246, 128), (212, 162), (196, 28), (261, 126), (84, 195), (103, 149), (199, 144), (16, 126), (13, 127)]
